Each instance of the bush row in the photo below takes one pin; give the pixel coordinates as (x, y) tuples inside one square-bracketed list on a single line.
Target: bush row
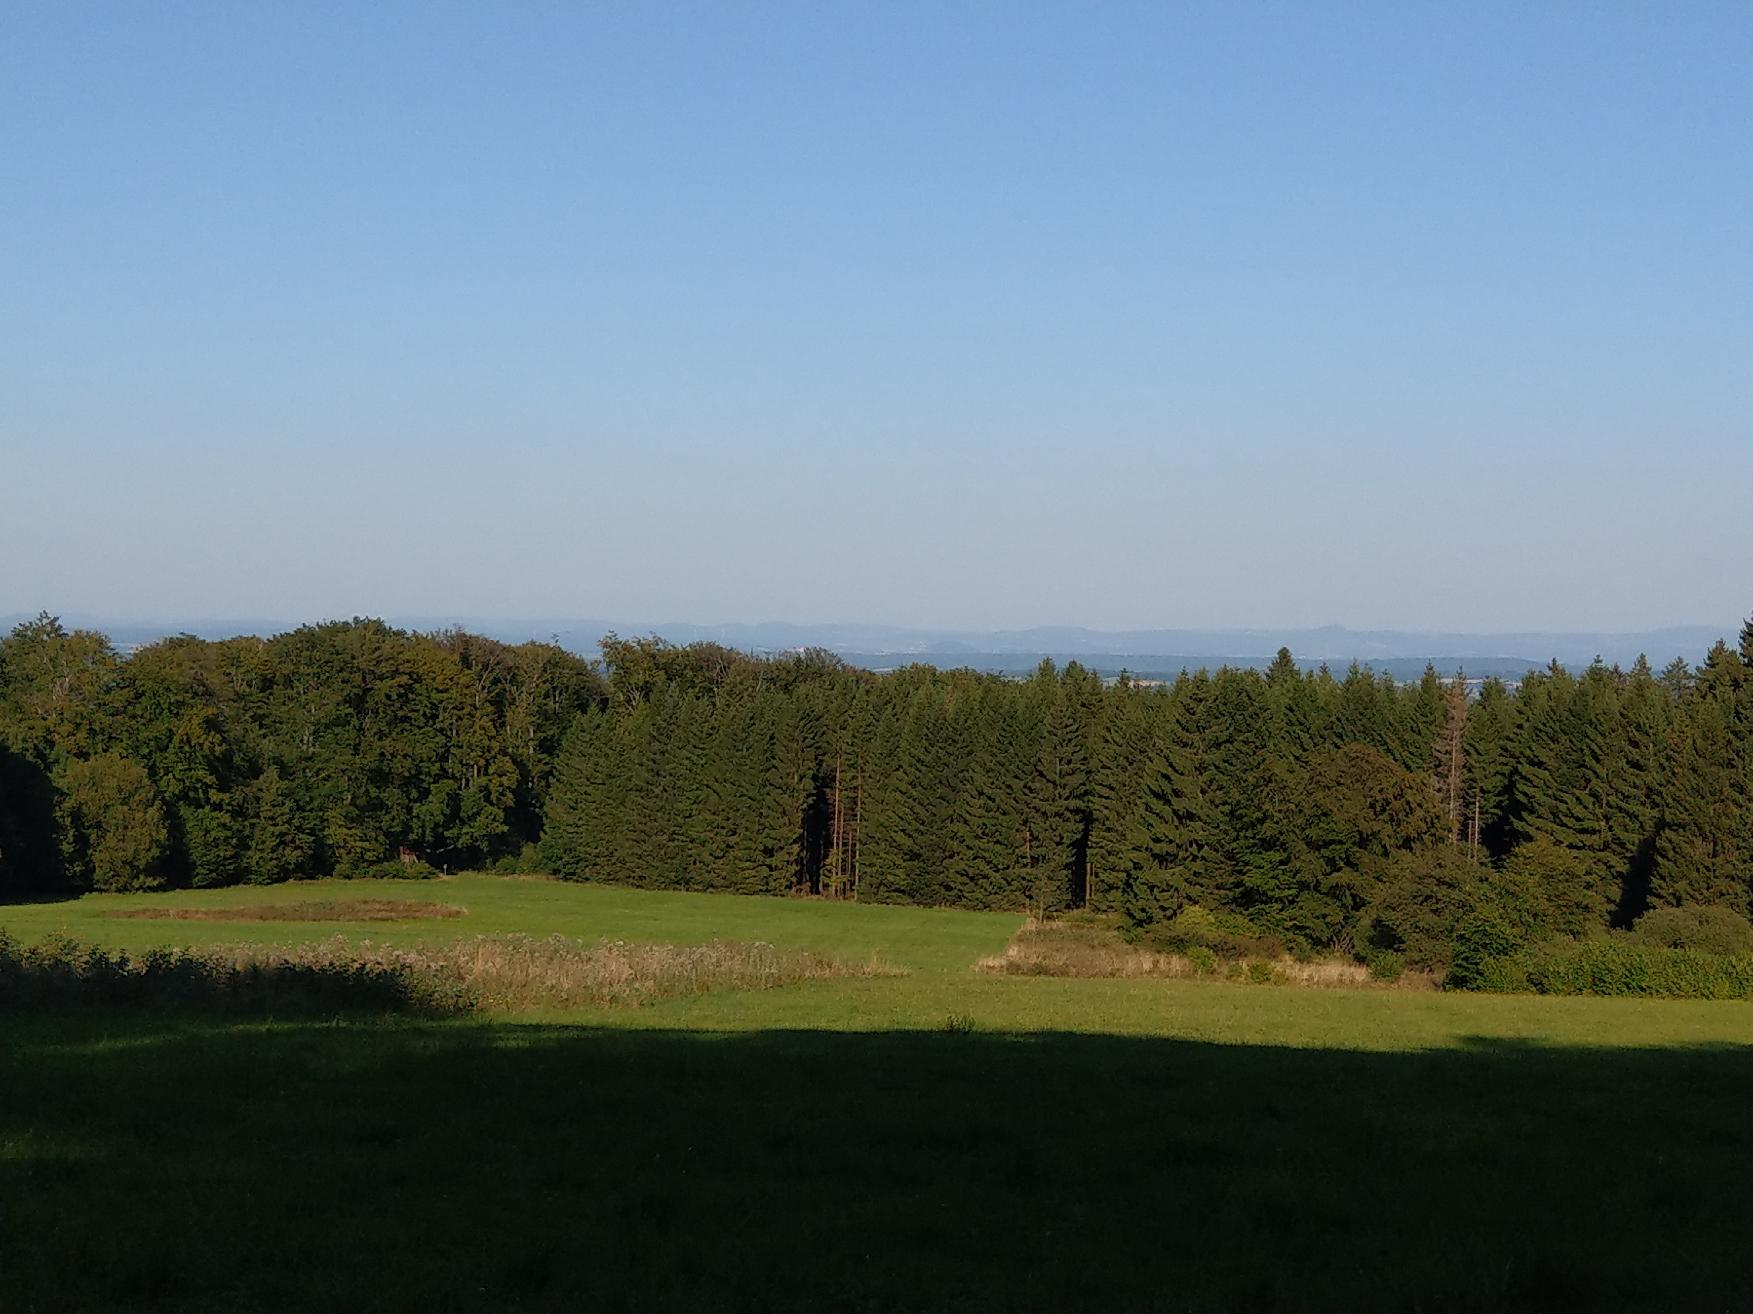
[(1620, 966)]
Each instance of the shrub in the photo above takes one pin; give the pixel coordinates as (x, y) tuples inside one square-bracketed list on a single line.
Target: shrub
[(1563, 891), (1483, 937), (1419, 899), (1423, 902), (1203, 960), (1386, 965), (1504, 976), (1619, 965), (1226, 934), (397, 870), (527, 861), (1259, 971), (1712, 928)]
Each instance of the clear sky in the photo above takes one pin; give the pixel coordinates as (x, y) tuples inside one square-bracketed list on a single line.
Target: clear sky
[(945, 314)]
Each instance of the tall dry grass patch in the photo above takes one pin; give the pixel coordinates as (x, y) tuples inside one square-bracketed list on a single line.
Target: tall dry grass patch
[(486, 973), (512, 972), (1050, 948), (1087, 948)]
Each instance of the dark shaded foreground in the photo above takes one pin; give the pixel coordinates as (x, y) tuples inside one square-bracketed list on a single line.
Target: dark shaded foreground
[(405, 1165)]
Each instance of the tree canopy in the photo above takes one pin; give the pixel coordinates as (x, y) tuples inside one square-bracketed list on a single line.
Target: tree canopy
[(1347, 812)]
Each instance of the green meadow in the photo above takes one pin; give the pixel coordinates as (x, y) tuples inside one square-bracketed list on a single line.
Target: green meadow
[(919, 939), (941, 1139)]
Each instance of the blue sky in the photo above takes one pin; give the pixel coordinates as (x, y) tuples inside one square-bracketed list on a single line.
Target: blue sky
[(947, 314)]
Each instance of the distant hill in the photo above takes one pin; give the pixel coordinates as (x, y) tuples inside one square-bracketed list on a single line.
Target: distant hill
[(1146, 653)]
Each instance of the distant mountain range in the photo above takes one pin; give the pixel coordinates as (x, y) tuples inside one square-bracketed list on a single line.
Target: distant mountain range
[(1146, 653)]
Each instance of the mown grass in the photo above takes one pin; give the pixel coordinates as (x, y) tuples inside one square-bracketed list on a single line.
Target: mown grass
[(461, 1166), (945, 1140)]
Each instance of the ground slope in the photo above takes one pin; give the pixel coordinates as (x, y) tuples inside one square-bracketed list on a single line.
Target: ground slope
[(942, 1140)]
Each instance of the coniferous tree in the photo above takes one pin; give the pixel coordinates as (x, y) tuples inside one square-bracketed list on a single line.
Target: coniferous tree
[(1290, 800), (1489, 742), (1360, 717), (1061, 799), (1117, 794), (278, 846), (1634, 804), (1180, 826), (1450, 759), (1704, 851)]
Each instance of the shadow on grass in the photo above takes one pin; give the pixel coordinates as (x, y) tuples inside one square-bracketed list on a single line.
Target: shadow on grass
[(39, 898), (467, 1165)]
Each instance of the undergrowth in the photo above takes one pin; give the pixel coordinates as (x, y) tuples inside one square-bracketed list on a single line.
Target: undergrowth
[(1088, 946)]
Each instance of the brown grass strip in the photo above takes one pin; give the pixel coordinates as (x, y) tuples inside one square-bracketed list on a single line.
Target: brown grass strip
[(507, 973), (310, 910)]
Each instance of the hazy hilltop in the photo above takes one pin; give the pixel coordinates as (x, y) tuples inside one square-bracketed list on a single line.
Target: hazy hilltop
[(1143, 652)]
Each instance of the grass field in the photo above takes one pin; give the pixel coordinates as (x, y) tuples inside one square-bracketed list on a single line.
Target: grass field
[(942, 1140), (918, 938)]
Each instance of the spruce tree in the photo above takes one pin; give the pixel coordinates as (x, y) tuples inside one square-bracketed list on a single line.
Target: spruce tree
[(1181, 826), (1061, 802), (1361, 717), (1117, 794), (1704, 852), (1634, 804)]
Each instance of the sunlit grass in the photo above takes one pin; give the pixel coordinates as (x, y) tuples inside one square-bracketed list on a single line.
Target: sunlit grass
[(920, 939)]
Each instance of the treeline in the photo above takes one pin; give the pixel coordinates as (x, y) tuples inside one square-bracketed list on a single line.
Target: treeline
[(335, 748), (1350, 813)]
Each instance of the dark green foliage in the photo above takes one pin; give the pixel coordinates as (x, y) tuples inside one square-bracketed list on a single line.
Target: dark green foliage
[(1386, 965), (401, 869), (1484, 938), (1181, 824), (1704, 849), (1363, 814), (279, 844), (1714, 930), (1563, 885), (1419, 902), (1225, 935), (327, 750), (30, 856), (1354, 815), (1117, 796), (113, 833), (1619, 965), (1489, 756)]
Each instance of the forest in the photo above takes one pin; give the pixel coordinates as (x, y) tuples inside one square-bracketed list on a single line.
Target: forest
[(1432, 822)]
